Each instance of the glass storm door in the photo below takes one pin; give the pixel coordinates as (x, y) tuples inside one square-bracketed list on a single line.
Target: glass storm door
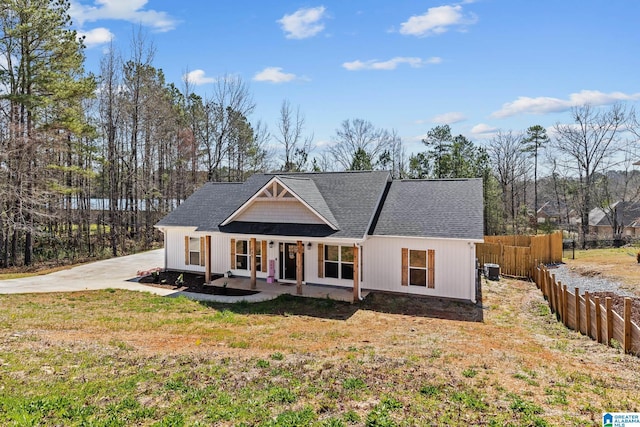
[(288, 261)]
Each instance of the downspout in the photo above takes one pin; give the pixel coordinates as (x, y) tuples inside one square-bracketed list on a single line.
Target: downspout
[(359, 274), (474, 273)]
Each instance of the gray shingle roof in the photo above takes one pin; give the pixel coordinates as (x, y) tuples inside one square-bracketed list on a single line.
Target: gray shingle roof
[(627, 214), (347, 199), (306, 190), (432, 208), (206, 208)]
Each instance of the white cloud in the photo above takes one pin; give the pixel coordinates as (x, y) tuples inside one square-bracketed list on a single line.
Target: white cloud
[(544, 104), (483, 130), (96, 37), (126, 10), (197, 77), (303, 23), (437, 20), (391, 64), (449, 118), (324, 143), (273, 75)]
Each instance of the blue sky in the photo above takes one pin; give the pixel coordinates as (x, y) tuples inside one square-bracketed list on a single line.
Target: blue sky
[(407, 65)]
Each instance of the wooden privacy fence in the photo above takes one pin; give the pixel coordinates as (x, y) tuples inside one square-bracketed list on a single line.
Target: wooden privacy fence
[(587, 315), (518, 255)]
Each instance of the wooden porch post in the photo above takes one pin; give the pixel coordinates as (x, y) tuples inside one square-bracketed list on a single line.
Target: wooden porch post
[(207, 259), (299, 253), (252, 251), (356, 277)]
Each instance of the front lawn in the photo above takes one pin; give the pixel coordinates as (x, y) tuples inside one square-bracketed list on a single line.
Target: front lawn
[(124, 358)]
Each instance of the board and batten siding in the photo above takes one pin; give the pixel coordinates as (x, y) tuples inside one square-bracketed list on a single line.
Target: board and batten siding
[(175, 250), (454, 266), (291, 211)]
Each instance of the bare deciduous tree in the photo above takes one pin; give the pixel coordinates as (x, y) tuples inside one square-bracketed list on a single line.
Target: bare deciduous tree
[(585, 148), (507, 158), (291, 136), (231, 97), (361, 138)]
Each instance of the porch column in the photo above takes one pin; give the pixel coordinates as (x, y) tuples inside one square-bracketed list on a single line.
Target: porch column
[(252, 251), (356, 278), (207, 259), (299, 254)]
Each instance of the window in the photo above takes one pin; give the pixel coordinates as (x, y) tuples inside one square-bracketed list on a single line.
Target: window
[(193, 250), (243, 258), (346, 262), (242, 255), (418, 268), (338, 262)]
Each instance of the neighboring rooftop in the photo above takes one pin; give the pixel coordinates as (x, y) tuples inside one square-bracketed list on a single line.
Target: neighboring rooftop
[(627, 214)]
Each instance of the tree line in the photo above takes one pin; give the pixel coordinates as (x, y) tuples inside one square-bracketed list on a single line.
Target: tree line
[(89, 163)]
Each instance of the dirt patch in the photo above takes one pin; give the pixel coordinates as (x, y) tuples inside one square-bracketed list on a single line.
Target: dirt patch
[(617, 304), (190, 282)]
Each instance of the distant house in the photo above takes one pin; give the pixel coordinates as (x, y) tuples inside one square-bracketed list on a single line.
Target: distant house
[(555, 213), (620, 219), (359, 230)]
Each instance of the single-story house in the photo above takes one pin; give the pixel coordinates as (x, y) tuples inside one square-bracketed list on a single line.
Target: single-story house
[(626, 216), (360, 230), (555, 213)]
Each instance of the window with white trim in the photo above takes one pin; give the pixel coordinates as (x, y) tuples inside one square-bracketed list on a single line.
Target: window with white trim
[(338, 262), (243, 256), (418, 268), (194, 250)]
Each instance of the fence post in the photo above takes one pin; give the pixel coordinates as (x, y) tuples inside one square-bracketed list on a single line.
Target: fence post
[(565, 306), (560, 302), (587, 307), (535, 272), (554, 293), (596, 301), (577, 291), (607, 302), (627, 325)]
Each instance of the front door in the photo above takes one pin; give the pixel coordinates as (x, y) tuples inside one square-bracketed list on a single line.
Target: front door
[(288, 261)]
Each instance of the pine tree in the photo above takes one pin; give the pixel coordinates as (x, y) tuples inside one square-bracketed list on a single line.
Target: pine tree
[(44, 84)]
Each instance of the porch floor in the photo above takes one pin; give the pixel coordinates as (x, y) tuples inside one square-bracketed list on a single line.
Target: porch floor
[(272, 290)]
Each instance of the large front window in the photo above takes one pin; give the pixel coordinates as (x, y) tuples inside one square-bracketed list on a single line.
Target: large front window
[(338, 262), (243, 256)]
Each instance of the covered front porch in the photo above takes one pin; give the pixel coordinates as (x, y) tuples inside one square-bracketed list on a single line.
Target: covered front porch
[(289, 264), (273, 290)]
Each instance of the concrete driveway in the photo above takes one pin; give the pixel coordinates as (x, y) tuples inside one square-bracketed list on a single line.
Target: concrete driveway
[(119, 273), (115, 273)]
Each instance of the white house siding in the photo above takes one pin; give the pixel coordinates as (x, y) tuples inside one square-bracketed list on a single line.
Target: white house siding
[(382, 269), (454, 266), (290, 211), (174, 247)]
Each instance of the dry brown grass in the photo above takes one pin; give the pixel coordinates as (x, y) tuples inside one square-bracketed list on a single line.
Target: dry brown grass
[(507, 348)]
